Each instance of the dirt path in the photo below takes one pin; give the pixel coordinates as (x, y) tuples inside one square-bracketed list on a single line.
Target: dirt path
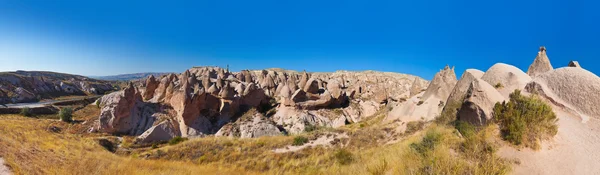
[(574, 150), (324, 140), (4, 170)]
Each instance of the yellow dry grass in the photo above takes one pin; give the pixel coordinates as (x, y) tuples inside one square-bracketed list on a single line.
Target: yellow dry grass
[(29, 148)]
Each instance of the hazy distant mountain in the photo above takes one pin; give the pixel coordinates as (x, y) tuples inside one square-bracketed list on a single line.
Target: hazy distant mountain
[(127, 77)]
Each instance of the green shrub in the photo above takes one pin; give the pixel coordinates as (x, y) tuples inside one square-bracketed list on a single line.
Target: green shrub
[(431, 139), (26, 112), (154, 146), (177, 140), (448, 115), (66, 114), (525, 120), (310, 128), (420, 103), (498, 85), (414, 126), (465, 128), (343, 157), (299, 140)]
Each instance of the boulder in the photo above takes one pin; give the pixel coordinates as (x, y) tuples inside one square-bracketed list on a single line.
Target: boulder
[(311, 86), (253, 126), (540, 65), (462, 86), (442, 84), (574, 64), (571, 88), (124, 112), (164, 131), (479, 103), (506, 77)]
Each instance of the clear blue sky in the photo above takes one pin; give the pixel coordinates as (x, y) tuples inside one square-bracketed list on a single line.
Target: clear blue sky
[(416, 37)]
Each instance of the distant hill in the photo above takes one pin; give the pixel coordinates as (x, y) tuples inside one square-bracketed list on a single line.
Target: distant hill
[(127, 77)]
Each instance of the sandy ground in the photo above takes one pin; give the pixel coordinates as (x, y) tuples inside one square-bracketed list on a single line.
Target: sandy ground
[(4, 170), (323, 141), (574, 150)]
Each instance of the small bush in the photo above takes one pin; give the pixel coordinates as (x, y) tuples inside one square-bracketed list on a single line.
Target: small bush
[(154, 146), (431, 139), (414, 126), (310, 128), (98, 103), (466, 129), (66, 114), (420, 103), (343, 157), (498, 85), (26, 112), (448, 115), (299, 140), (177, 140), (525, 120)]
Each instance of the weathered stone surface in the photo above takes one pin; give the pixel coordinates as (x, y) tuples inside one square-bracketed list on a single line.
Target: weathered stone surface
[(256, 125), (574, 64), (123, 112), (151, 85), (540, 65), (164, 131), (506, 77), (479, 103)]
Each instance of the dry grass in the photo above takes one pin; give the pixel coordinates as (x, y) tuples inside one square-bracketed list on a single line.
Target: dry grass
[(29, 148)]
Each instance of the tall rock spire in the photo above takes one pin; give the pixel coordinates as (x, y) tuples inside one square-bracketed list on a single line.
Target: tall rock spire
[(541, 64)]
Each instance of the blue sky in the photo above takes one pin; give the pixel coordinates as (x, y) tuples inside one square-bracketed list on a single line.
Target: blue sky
[(416, 37)]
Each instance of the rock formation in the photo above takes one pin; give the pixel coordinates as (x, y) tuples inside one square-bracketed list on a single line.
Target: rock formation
[(540, 65), (572, 88), (574, 64), (479, 103), (506, 78)]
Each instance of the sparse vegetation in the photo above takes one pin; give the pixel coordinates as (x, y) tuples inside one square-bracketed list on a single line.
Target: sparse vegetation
[(300, 140), (448, 115), (26, 112), (420, 103), (498, 85), (343, 157), (414, 126), (177, 140), (525, 120), (66, 114)]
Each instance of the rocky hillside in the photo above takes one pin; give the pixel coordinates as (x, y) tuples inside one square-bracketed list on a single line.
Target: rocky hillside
[(128, 77), (30, 86), (210, 100)]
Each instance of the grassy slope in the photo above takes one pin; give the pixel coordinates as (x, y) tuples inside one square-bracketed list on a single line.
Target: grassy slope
[(29, 148)]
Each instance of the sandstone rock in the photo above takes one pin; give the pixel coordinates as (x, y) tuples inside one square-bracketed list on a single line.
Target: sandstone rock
[(506, 77), (295, 121), (253, 126), (303, 79), (311, 86), (151, 85), (479, 103), (574, 64), (164, 131), (462, 86), (540, 65), (571, 88), (416, 87), (442, 84), (124, 112)]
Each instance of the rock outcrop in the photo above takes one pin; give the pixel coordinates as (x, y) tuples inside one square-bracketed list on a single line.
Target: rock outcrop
[(32, 86), (479, 103), (161, 132), (256, 125), (574, 64), (506, 78), (540, 65), (426, 105), (462, 86), (124, 112), (572, 88)]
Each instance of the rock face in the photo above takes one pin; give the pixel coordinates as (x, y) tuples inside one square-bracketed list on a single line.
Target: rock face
[(426, 105), (161, 132), (204, 101), (506, 77), (572, 88), (124, 112), (442, 84), (540, 65), (479, 103), (462, 86), (574, 64), (253, 126), (31, 86)]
